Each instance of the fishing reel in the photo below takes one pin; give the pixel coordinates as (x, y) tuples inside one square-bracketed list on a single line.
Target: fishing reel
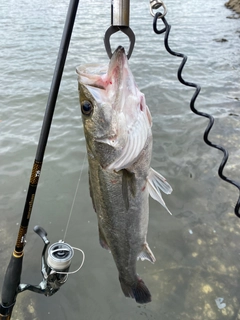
[(54, 269)]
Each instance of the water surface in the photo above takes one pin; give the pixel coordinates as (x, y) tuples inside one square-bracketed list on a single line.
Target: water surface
[(197, 248)]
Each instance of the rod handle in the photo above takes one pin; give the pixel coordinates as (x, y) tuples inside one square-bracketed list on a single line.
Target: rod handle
[(11, 283)]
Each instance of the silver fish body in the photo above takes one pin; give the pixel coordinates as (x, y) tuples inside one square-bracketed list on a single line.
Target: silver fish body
[(117, 127)]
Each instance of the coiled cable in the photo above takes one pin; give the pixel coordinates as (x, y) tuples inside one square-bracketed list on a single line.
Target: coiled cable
[(167, 29)]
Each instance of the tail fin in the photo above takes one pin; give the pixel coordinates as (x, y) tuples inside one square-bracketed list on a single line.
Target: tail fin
[(138, 290)]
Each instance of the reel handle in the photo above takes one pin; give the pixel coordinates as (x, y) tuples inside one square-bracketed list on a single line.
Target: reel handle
[(42, 234)]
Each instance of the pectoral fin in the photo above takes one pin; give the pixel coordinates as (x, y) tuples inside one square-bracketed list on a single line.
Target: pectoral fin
[(91, 191), (157, 182), (136, 140), (128, 184), (102, 240)]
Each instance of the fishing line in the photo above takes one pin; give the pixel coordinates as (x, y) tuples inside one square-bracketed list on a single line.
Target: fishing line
[(192, 106), (74, 198)]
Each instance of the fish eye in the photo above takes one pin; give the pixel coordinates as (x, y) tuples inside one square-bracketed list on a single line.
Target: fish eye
[(86, 107)]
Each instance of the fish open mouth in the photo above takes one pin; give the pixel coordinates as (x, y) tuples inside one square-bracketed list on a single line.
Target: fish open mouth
[(91, 74), (101, 75)]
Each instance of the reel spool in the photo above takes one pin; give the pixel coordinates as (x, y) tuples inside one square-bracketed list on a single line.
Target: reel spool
[(60, 256)]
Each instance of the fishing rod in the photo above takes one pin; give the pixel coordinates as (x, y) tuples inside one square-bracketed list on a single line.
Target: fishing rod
[(55, 268)]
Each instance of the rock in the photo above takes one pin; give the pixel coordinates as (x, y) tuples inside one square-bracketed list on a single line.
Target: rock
[(220, 40), (234, 5)]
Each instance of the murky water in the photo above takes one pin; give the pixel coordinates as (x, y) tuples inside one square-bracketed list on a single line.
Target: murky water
[(197, 248)]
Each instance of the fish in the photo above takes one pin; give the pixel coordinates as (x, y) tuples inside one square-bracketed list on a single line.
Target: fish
[(117, 127)]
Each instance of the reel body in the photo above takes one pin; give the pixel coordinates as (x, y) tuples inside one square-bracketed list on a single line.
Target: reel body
[(55, 268)]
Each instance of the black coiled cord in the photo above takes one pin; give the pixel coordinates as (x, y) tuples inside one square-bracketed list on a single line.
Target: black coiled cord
[(167, 29)]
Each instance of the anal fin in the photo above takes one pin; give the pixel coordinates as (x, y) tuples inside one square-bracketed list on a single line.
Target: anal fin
[(146, 254)]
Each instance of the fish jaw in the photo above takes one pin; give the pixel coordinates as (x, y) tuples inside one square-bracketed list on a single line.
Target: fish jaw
[(120, 120)]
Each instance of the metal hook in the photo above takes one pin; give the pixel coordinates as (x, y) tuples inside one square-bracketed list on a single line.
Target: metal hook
[(113, 29)]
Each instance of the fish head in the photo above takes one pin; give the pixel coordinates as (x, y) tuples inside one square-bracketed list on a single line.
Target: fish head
[(114, 112)]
